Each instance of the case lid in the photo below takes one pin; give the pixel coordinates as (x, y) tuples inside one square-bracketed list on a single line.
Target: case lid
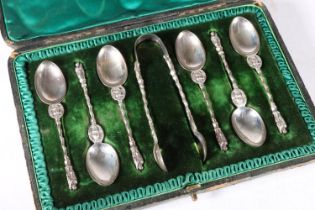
[(27, 20)]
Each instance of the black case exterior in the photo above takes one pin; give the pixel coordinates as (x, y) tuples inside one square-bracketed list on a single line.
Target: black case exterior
[(102, 30)]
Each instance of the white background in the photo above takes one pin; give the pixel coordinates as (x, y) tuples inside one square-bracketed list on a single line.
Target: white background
[(290, 189)]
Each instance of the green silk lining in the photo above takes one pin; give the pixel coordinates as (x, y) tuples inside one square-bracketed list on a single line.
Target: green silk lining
[(46, 18), (179, 182)]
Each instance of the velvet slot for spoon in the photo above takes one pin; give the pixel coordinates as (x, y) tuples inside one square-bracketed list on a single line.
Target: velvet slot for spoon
[(246, 122), (51, 88), (191, 56), (102, 160), (246, 42), (113, 73)]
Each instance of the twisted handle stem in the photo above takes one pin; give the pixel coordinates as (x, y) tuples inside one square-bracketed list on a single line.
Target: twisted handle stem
[(95, 131), (221, 139), (279, 120), (56, 112), (219, 48), (255, 62), (136, 155), (81, 75)]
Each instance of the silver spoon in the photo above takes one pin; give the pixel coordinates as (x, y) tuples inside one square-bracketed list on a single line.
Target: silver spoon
[(246, 42), (51, 88), (191, 56), (202, 145), (246, 121), (102, 161), (112, 71)]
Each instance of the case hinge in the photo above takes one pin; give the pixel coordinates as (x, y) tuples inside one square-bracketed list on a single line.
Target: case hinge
[(14, 54), (259, 3), (192, 189)]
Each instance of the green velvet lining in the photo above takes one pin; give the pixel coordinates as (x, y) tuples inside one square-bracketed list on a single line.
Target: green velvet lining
[(172, 127), (45, 18)]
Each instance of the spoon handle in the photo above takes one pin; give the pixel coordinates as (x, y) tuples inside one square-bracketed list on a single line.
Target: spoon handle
[(199, 77), (95, 131), (81, 75), (238, 96), (118, 93), (215, 39), (56, 112), (255, 62), (221, 139)]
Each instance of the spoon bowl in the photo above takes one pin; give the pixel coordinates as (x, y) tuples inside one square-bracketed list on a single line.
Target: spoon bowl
[(244, 37), (190, 52), (102, 163), (50, 84), (111, 66), (249, 126)]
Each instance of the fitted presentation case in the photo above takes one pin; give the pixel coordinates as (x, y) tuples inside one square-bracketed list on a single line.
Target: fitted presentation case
[(67, 31)]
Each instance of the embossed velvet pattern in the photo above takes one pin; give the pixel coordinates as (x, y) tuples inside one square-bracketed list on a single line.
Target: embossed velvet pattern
[(175, 137)]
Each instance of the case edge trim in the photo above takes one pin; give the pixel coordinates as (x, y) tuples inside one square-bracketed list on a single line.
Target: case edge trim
[(181, 181)]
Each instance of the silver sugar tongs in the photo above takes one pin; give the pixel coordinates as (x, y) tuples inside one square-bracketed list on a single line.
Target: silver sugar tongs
[(202, 145)]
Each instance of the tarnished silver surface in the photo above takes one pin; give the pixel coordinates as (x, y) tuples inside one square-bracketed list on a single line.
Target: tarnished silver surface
[(111, 66), (51, 88), (191, 56), (246, 42), (189, 51), (244, 37), (50, 84), (112, 71), (102, 161), (246, 121), (249, 126)]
